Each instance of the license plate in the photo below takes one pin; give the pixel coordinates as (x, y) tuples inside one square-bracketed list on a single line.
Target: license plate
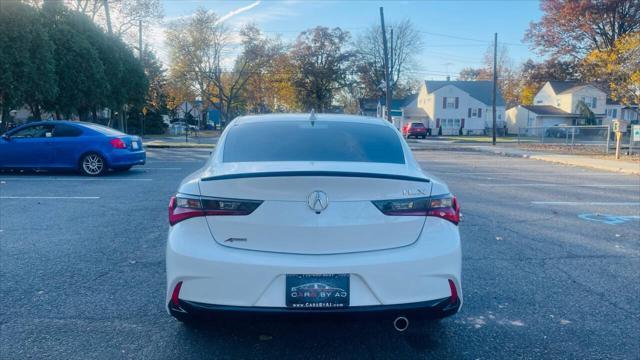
[(134, 145), (313, 291)]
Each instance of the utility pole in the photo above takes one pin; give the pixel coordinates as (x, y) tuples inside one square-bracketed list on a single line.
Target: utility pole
[(495, 80), (391, 58), (107, 15), (140, 39), (386, 66), (144, 112)]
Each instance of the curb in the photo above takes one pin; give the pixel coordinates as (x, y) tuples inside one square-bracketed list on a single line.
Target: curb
[(179, 146), (546, 158)]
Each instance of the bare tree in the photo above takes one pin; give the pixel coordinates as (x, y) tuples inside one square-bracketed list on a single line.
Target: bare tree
[(407, 45), (196, 46), (199, 47), (257, 53)]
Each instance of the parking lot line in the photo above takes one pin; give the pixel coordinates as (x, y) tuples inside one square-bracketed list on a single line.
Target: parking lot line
[(574, 203), (52, 197), (160, 168), (559, 185), (521, 173)]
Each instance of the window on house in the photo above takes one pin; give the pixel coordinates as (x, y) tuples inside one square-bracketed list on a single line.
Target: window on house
[(474, 112), (449, 102), (479, 112), (456, 123), (450, 123), (594, 102), (614, 112)]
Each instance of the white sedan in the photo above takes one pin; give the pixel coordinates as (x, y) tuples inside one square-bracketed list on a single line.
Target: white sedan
[(313, 214)]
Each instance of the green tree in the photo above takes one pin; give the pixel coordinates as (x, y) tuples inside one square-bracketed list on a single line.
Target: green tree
[(26, 59), (156, 98)]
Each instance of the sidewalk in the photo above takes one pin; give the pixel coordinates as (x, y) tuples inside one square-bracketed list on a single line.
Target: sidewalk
[(625, 167)]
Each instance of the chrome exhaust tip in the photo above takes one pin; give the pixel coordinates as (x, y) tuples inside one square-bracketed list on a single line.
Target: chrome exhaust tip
[(401, 323)]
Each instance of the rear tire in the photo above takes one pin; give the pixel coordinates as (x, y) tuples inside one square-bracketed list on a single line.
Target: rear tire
[(93, 164)]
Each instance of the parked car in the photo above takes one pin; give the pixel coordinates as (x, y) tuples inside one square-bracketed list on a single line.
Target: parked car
[(341, 205), (89, 148), (415, 129), (180, 126), (561, 131)]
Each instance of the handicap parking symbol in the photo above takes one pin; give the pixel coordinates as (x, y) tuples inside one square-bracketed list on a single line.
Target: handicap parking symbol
[(609, 219)]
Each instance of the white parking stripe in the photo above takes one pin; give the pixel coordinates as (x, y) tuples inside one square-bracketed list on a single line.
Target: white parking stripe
[(159, 168), (561, 185), (52, 197), (72, 179), (573, 203), (521, 173)]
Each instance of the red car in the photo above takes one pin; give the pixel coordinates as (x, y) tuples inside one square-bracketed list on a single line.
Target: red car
[(416, 129)]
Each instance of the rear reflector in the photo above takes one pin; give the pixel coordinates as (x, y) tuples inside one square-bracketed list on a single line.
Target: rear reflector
[(442, 206), (185, 207), (176, 293), (454, 292)]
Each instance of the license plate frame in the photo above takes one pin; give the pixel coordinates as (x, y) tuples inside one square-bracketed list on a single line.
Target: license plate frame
[(134, 145), (317, 291)]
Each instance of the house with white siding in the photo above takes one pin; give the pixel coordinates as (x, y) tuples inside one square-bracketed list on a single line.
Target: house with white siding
[(558, 103), (404, 111), (459, 107), (616, 110)]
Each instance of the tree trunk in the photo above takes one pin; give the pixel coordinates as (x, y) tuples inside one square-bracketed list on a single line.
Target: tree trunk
[(5, 119), (35, 111)]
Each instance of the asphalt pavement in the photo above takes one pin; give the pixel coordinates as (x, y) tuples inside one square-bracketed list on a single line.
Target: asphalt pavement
[(551, 269)]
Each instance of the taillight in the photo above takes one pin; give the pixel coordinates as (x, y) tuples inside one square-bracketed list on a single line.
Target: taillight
[(184, 207), (117, 143), (442, 206)]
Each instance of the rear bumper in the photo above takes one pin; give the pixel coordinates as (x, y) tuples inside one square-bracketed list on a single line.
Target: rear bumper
[(433, 309), (127, 158), (233, 278)]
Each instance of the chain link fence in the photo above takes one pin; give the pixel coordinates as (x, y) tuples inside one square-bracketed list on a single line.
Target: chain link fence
[(593, 138)]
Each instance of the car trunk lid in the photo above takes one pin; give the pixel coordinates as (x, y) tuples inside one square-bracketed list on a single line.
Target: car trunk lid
[(290, 221)]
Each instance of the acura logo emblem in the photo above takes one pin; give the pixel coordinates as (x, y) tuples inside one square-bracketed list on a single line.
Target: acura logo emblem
[(318, 201)]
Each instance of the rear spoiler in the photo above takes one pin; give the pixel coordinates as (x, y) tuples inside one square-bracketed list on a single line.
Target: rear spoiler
[(316, 173)]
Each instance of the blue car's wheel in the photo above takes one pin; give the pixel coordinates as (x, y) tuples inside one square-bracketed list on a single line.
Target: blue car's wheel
[(93, 164)]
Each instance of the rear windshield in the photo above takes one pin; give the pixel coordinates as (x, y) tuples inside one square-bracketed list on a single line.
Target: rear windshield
[(104, 130), (322, 141), (417, 125)]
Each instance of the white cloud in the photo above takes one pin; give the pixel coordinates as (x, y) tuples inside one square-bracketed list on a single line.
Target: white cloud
[(237, 11)]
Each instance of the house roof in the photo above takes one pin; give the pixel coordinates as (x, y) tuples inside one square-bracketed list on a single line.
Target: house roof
[(480, 90), (614, 102), (397, 104), (547, 110), (560, 87)]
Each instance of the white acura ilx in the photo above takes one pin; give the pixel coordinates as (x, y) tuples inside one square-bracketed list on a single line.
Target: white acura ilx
[(313, 214)]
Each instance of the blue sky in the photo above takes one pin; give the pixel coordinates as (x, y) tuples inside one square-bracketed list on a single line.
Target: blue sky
[(456, 33)]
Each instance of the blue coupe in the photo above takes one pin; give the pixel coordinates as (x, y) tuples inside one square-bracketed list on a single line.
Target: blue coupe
[(90, 148)]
